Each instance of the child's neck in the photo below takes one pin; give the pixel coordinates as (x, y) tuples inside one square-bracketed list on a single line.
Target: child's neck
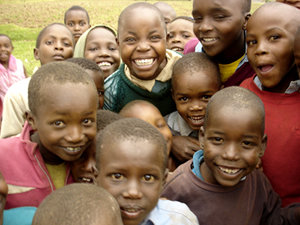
[(49, 157), (233, 53), (281, 87), (4, 64)]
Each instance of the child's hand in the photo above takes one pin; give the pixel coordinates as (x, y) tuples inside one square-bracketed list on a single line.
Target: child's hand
[(184, 147)]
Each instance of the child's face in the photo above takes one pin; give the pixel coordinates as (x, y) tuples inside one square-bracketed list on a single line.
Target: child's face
[(56, 45), (191, 94), (3, 194), (218, 25), (6, 49), (180, 32), (233, 143), (132, 172), (270, 48), (152, 115), (101, 47), (295, 3), (84, 169), (99, 82), (66, 121), (77, 22), (142, 42)]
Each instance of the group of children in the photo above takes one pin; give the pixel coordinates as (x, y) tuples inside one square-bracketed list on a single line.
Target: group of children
[(167, 138)]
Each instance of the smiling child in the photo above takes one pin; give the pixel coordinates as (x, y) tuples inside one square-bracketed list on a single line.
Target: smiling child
[(55, 42), (99, 44), (195, 79), (146, 70), (180, 31), (132, 167), (61, 125), (270, 43), (221, 183)]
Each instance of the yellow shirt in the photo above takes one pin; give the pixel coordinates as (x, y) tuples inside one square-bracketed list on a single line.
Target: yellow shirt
[(58, 174), (227, 70)]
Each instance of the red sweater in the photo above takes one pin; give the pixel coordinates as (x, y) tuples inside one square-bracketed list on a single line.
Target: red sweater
[(281, 162), (25, 172)]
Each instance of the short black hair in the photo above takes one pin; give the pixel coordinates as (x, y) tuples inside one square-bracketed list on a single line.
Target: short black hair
[(4, 35), (86, 64), (77, 204), (195, 62), (58, 73), (187, 18), (235, 97), (76, 7), (246, 6), (105, 117), (41, 34), (141, 5), (132, 129)]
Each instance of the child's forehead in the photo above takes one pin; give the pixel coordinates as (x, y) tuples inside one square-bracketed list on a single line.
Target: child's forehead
[(57, 30), (4, 39), (145, 13), (76, 12)]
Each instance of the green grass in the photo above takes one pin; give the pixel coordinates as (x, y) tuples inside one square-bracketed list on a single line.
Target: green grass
[(22, 20)]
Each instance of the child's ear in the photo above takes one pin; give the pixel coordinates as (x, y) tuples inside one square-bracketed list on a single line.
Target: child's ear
[(36, 54), (31, 119), (247, 16), (263, 146), (201, 137)]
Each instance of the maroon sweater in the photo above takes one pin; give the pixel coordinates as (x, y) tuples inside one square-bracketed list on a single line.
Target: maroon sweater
[(281, 161), (252, 201)]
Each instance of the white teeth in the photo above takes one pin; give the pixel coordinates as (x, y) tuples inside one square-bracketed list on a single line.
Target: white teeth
[(177, 49), (229, 171), (143, 62), (86, 179), (130, 210), (208, 39), (104, 64), (73, 149)]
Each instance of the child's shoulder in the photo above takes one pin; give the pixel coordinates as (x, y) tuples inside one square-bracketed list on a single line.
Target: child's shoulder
[(167, 211)]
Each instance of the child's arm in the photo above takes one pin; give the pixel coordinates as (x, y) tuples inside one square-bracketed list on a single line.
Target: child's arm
[(184, 147)]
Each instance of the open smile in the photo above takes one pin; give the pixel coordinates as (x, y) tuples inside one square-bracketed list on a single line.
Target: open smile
[(131, 212), (105, 65), (73, 150), (197, 120), (265, 68), (229, 171), (144, 62), (86, 180)]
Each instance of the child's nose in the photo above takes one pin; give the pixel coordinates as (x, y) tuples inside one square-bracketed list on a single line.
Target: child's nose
[(176, 39), (231, 152), (143, 46), (76, 27), (132, 190), (58, 45), (205, 25), (261, 48), (103, 53), (89, 165), (74, 134)]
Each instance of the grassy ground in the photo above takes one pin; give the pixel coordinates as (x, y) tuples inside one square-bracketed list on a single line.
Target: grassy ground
[(23, 19)]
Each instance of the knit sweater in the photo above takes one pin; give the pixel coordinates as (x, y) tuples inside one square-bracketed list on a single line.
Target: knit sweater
[(119, 91), (281, 161)]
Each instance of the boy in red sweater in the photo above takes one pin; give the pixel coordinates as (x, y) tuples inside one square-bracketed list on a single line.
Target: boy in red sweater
[(270, 43)]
